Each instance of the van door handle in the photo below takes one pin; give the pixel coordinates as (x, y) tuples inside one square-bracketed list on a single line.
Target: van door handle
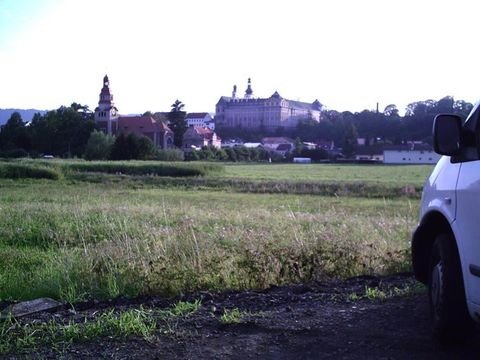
[(448, 200)]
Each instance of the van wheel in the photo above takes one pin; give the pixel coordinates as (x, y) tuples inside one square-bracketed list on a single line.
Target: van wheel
[(450, 318)]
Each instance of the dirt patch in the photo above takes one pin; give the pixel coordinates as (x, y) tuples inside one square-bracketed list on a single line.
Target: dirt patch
[(365, 317)]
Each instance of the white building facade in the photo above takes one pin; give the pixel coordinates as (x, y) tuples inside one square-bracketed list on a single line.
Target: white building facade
[(410, 156), (200, 120), (268, 113)]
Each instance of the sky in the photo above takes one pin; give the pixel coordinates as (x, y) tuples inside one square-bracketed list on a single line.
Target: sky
[(348, 54)]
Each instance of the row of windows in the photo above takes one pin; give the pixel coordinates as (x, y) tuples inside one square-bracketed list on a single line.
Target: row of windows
[(409, 159)]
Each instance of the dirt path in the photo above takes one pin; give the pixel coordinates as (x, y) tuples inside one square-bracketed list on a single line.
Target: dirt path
[(314, 321)]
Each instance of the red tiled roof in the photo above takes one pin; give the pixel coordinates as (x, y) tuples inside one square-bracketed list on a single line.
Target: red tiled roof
[(141, 124), (204, 132)]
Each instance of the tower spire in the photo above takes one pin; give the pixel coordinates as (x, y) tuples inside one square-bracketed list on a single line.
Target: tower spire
[(106, 113), (249, 91)]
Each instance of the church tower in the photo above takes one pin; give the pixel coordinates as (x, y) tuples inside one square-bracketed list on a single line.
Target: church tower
[(106, 116), (249, 91)]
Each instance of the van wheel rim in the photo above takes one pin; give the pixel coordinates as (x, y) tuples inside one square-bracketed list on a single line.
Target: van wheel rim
[(437, 284)]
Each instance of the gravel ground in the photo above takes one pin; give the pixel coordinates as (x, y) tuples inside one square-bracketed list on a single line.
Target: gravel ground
[(321, 320)]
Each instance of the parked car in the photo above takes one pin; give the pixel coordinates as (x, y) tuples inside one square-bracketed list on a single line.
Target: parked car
[(446, 243)]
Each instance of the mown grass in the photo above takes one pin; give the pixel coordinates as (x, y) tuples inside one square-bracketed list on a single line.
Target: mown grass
[(83, 240)]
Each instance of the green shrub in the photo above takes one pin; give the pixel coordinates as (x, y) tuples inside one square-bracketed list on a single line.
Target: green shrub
[(99, 146), (169, 155), (18, 171)]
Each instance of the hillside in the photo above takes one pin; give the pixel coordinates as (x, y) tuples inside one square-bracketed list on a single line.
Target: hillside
[(27, 114)]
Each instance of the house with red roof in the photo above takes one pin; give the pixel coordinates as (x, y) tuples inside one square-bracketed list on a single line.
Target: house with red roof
[(197, 137)]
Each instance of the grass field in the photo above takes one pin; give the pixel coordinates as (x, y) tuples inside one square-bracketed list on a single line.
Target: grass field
[(386, 174), (73, 239)]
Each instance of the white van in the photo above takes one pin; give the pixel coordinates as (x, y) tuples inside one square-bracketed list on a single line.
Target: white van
[(446, 243)]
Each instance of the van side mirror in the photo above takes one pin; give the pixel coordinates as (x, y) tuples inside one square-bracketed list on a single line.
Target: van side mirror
[(447, 130)]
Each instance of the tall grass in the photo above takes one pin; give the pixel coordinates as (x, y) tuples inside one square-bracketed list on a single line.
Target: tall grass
[(85, 240), (146, 168), (11, 170), (30, 168)]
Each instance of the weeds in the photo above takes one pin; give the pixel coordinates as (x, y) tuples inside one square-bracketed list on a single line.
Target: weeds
[(376, 293), (18, 337), (185, 308), (233, 316)]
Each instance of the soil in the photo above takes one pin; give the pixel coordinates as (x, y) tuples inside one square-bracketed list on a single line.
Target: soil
[(320, 320)]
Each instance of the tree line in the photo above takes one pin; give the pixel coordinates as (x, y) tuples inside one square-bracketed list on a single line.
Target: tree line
[(70, 132)]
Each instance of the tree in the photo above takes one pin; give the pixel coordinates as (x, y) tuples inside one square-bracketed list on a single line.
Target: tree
[(146, 149), (14, 134), (132, 147), (99, 146), (462, 107), (177, 123), (231, 154), (298, 147), (120, 149), (64, 131), (391, 110), (349, 140)]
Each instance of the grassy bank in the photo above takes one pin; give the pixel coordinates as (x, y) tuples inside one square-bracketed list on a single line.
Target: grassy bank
[(76, 241)]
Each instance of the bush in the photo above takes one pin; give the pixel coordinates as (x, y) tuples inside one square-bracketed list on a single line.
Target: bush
[(169, 155), (99, 146), (146, 149), (132, 147), (237, 153), (17, 171)]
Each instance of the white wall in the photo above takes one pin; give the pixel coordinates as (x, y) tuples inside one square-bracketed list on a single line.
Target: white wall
[(410, 157)]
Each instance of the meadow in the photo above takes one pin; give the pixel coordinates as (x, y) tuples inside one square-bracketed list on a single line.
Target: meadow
[(84, 236), (384, 174)]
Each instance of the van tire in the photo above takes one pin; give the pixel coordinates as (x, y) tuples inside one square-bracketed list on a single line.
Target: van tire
[(448, 307)]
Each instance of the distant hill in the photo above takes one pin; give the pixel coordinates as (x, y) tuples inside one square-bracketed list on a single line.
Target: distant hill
[(27, 114)]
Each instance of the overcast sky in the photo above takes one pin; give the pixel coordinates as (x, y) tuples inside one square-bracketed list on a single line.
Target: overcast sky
[(348, 54)]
